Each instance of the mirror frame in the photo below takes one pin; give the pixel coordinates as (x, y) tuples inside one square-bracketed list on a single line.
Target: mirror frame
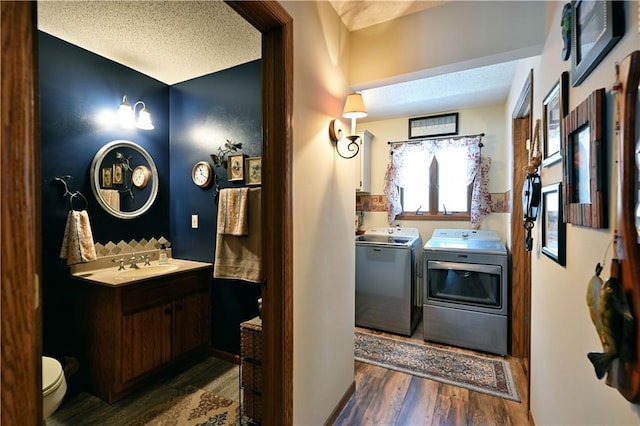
[(95, 178)]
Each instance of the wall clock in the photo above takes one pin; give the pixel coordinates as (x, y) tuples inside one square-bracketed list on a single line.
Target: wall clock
[(202, 174), (140, 176)]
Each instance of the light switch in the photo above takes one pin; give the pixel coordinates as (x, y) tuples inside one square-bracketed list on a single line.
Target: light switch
[(194, 221)]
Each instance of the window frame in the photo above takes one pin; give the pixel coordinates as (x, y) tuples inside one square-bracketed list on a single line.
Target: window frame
[(433, 213)]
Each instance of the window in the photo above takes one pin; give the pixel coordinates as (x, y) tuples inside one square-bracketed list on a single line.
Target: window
[(424, 179), (436, 185)]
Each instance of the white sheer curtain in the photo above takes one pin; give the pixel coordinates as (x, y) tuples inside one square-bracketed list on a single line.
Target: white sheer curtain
[(477, 171)]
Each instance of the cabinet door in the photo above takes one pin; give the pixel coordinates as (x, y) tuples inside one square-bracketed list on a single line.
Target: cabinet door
[(146, 341), (190, 322), (363, 163)]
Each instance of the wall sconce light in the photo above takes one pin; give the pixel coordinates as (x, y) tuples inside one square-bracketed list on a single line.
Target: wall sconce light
[(353, 108), (127, 115)]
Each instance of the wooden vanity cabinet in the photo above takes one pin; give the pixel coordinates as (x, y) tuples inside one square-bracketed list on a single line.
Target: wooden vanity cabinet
[(132, 333)]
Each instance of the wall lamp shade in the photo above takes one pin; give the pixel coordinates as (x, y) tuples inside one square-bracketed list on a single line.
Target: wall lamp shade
[(354, 108), (127, 115)]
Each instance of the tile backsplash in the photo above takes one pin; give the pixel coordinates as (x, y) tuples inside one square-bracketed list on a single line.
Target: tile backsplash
[(110, 248)]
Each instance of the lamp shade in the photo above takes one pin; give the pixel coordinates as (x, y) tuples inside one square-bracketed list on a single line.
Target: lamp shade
[(144, 120), (354, 107)]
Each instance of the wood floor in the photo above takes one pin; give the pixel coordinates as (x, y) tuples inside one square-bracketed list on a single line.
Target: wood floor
[(387, 397), (217, 376), (382, 397)]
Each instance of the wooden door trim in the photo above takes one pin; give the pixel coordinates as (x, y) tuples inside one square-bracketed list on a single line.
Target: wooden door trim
[(21, 390), (277, 247)]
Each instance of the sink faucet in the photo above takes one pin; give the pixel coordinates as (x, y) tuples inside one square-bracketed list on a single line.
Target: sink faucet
[(121, 262), (133, 262), (145, 257)]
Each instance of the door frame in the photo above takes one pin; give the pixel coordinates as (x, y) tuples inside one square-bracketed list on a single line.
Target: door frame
[(521, 126), (20, 314), (276, 27), (21, 389)]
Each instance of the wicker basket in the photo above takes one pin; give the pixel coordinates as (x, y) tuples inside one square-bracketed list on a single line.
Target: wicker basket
[(252, 405), (251, 339), (251, 375)]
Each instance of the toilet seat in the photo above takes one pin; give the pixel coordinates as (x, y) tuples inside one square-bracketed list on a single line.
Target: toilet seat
[(54, 386), (52, 375)]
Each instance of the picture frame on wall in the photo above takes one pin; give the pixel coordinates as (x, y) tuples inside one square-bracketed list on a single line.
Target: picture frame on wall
[(554, 109), (584, 166), (118, 174), (235, 167), (107, 177), (433, 125), (554, 239), (253, 167), (595, 28)]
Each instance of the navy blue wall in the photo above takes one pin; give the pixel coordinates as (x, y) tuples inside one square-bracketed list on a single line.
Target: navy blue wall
[(205, 113), (75, 86), (191, 120)]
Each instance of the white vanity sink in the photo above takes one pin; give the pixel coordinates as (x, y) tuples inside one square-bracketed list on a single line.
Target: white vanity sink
[(111, 276), (146, 271)]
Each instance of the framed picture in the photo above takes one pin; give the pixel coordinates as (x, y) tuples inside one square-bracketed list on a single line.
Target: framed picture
[(596, 27), (434, 125), (584, 167), (107, 177), (554, 109), (118, 174), (554, 239), (253, 166), (235, 167)]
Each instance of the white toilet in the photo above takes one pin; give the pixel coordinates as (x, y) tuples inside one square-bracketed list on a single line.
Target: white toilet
[(54, 386)]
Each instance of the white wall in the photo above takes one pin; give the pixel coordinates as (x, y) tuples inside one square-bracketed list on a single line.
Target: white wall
[(449, 37), (323, 205), (564, 388), (488, 120)]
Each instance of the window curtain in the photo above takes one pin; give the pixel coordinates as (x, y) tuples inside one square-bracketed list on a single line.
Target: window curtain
[(477, 172)]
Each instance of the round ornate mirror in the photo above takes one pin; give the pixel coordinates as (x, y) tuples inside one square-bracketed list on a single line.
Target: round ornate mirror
[(124, 179)]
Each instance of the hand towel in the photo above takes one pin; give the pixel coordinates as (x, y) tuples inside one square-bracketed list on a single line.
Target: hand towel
[(240, 256), (232, 211), (111, 197), (77, 243)]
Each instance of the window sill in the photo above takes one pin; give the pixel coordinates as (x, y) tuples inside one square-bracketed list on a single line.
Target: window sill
[(460, 217)]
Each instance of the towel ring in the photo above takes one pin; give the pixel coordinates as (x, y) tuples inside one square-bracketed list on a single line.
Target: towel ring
[(74, 195)]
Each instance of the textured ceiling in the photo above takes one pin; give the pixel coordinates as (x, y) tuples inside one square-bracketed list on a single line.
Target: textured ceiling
[(175, 41), (171, 41)]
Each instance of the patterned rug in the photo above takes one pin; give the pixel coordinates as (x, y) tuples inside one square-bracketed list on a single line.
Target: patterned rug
[(195, 407), (478, 373)]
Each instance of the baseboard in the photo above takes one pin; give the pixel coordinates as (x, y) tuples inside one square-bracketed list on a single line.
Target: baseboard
[(341, 404), (225, 356)]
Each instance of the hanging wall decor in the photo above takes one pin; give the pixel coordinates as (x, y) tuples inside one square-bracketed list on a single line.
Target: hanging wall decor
[(554, 109), (553, 227), (584, 168), (596, 27)]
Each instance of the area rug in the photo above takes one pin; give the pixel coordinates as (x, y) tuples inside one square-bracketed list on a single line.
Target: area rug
[(478, 373), (195, 407)]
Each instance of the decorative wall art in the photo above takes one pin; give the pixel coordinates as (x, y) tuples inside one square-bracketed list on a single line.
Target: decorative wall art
[(107, 177), (584, 171), (253, 166), (596, 27), (434, 125), (554, 109), (118, 174), (553, 227), (628, 202), (235, 167)]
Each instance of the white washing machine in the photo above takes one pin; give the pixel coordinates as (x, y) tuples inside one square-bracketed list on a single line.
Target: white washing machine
[(387, 292)]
